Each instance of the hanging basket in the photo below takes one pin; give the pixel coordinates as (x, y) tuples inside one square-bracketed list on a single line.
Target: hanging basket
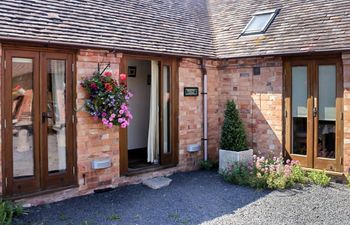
[(108, 99)]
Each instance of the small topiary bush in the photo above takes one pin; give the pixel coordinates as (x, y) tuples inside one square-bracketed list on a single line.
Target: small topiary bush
[(8, 211), (233, 135), (319, 178)]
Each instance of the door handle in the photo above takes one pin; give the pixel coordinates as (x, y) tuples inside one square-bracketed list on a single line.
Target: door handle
[(314, 112), (44, 116)]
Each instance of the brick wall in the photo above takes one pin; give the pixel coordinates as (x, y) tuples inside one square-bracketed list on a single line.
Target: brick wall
[(96, 141), (190, 112), (93, 139), (213, 109), (1, 64), (258, 97), (346, 73)]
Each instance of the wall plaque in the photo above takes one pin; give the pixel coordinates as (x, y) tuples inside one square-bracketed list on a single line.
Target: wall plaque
[(190, 91)]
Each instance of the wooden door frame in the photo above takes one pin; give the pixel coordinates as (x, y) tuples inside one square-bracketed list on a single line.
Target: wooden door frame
[(54, 180), (328, 163), (7, 47), (312, 62), (32, 184), (172, 157), (123, 134)]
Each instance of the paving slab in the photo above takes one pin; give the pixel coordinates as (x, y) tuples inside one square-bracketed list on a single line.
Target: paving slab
[(157, 182)]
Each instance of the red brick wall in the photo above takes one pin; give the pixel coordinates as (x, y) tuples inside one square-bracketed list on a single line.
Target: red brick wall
[(191, 111), (93, 139), (214, 110), (259, 99), (1, 64), (346, 73)]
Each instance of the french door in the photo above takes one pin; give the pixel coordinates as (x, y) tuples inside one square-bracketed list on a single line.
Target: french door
[(167, 134), (314, 112), (38, 121)]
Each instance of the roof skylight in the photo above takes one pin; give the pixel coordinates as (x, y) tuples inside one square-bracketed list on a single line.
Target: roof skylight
[(260, 22)]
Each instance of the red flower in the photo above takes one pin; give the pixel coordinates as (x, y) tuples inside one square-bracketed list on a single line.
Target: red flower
[(108, 74), (108, 87), (122, 76), (93, 86)]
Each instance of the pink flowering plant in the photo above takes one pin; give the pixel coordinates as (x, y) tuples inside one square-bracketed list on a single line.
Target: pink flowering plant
[(108, 99), (261, 172)]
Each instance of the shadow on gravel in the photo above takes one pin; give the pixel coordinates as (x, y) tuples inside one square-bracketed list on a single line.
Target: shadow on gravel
[(191, 198)]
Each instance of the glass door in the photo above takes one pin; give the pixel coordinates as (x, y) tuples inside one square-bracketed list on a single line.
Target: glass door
[(327, 115), (21, 124), (298, 100), (56, 120), (38, 137), (313, 103)]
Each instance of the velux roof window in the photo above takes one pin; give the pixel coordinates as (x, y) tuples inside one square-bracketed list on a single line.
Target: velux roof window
[(260, 22)]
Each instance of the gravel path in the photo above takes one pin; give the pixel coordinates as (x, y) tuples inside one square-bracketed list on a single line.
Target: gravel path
[(198, 198)]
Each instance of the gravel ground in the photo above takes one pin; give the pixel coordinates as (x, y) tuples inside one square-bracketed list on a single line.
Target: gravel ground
[(198, 198)]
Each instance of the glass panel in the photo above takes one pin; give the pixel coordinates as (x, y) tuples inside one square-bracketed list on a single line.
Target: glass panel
[(22, 117), (327, 110), (166, 109), (299, 109), (258, 23), (56, 115)]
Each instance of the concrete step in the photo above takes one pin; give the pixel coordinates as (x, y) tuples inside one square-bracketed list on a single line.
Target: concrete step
[(157, 182)]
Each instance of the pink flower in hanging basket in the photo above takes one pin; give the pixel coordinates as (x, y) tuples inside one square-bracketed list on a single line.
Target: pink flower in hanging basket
[(122, 76), (108, 73)]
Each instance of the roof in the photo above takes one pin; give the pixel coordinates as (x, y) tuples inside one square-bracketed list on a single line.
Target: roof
[(209, 28), (179, 27), (301, 26)]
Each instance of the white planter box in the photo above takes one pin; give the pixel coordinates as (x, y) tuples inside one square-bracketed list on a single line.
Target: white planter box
[(227, 158)]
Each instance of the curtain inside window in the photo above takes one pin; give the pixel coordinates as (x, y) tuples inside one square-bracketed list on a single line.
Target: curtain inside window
[(153, 131), (58, 108)]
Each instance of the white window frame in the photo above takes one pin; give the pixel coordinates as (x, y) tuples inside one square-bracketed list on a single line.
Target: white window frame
[(273, 13)]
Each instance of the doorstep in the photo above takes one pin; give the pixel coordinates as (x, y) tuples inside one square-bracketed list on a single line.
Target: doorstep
[(140, 171), (331, 173), (39, 193)]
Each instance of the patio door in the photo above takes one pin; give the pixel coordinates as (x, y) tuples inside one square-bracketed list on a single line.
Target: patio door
[(168, 113), (313, 103), (38, 143)]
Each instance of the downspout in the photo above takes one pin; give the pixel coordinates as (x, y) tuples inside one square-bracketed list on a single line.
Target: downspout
[(205, 108)]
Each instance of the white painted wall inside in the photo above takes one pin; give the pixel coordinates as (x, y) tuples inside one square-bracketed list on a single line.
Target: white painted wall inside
[(139, 104)]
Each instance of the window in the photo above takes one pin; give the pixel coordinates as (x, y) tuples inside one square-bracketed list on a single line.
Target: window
[(260, 22)]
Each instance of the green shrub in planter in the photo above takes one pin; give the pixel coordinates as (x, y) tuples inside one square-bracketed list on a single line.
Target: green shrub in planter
[(233, 135)]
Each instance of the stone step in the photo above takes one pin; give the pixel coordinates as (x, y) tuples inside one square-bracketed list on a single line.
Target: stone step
[(157, 182)]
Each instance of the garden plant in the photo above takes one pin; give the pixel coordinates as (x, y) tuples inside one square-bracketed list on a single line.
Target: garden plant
[(272, 173)]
